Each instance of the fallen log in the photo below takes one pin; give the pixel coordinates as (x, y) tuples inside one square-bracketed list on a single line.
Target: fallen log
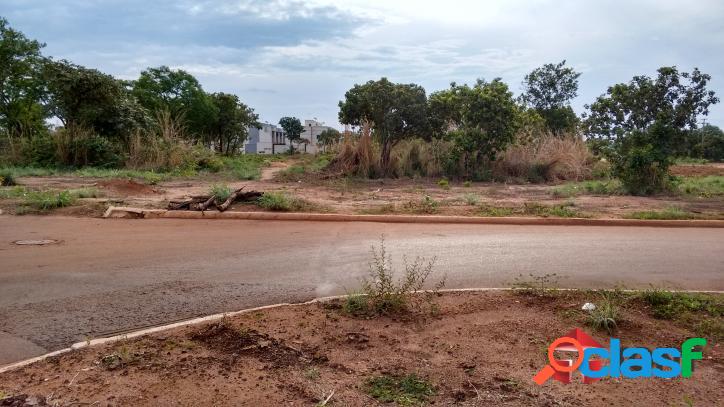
[(204, 202)]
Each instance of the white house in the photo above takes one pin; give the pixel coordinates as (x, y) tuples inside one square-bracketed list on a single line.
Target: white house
[(312, 130), (271, 139)]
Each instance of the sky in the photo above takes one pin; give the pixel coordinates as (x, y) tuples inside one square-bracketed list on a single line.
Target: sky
[(297, 58)]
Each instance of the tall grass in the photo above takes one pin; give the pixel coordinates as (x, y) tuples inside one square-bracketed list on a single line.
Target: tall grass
[(548, 158), (357, 157)]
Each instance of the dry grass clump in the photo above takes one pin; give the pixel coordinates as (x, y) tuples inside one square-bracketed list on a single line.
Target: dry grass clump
[(165, 148), (358, 157), (548, 158), (416, 157)]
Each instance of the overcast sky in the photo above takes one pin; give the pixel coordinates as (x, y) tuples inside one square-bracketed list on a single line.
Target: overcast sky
[(294, 58)]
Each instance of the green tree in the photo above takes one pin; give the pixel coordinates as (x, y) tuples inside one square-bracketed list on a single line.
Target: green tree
[(549, 90), (180, 93), (293, 129), (21, 88), (231, 123), (705, 142), (394, 112), (86, 98), (484, 119), (329, 137), (640, 123)]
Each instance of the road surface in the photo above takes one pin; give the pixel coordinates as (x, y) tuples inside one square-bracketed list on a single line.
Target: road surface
[(115, 275)]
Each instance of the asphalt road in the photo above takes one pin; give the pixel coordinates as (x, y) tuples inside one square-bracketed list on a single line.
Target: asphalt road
[(116, 275)]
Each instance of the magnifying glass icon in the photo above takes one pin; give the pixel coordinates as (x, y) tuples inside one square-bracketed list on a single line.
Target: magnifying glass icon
[(554, 365)]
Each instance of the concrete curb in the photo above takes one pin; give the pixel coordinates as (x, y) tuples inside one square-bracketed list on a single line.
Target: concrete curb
[(125, 212), (213, 317)]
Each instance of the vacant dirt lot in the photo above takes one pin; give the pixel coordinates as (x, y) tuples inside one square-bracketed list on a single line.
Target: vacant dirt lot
[(416, 196), (482, 348)]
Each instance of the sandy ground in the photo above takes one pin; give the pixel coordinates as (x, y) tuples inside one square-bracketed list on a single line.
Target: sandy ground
[(481, 349), (380, 196)]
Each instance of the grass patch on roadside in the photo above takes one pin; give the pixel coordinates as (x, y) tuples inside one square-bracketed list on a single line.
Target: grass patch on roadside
[(703, 312), (404, 390), (282, 202), (33, 201), (149, 177), (596, 187), (671, 213), (566, 210), (307, 165), (427, 205), (704, 187), (244, 167)]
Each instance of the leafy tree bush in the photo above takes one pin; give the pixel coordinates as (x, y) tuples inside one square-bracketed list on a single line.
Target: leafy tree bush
[(394, 111), (329, 137), (549, 90), (484, 117), (21, 90), (230, 125), (180, 93), (293, 129), (639, 124)]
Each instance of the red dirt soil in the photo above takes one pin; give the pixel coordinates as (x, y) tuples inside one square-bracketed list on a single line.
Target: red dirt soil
[(126, 187), (481, 349)]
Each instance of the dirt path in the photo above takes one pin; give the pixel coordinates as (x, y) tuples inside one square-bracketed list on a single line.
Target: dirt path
[(267, 173), (108, 276)]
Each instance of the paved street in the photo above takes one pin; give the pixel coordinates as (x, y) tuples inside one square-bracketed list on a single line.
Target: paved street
[(110, 276)]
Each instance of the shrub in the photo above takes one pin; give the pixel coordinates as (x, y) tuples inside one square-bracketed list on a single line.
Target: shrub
[(7, 179), (444, 183), (383, 295), (467, 184)]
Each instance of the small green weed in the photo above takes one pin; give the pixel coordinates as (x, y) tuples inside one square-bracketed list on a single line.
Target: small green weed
[(426, 205), (536, 285), (222, 192), (606, 314), (495, 211), (403, 390), (444, 183), (383, 295), (471, 199)]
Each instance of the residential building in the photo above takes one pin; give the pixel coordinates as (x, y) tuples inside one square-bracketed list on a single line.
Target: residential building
[(312, 130), (270, 139)]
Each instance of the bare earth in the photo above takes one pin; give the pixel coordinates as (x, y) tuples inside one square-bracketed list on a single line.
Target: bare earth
[(378, 196), (481, 349)]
